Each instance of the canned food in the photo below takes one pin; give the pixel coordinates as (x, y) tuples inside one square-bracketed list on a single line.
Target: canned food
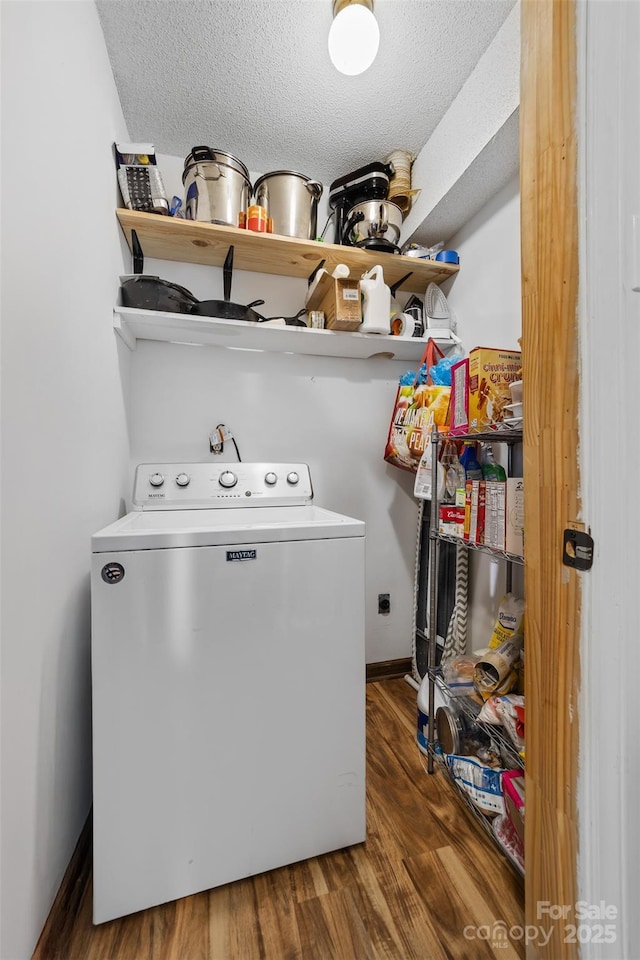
[(257, 219), (316, 319)]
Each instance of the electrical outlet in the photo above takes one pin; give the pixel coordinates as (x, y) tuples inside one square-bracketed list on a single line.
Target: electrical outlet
[(384, 603)]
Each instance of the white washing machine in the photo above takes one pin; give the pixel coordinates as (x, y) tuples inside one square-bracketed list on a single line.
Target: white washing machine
[(228, 682)]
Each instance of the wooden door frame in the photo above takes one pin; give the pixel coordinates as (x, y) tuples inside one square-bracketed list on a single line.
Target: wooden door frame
[(549, 231)]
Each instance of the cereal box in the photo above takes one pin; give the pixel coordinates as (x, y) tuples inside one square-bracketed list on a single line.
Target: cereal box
[(494, 518), (490, 373), (515, 516)]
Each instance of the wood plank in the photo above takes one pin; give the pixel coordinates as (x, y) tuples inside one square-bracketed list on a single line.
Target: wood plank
[(481, 913), (372, 900), (549, 337), (397, 921), (277, 917), (236, 904), (401, 702), (331, 926), (190, 241), (432, 882)]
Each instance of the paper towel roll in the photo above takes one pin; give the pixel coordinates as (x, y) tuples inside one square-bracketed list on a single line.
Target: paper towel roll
[(403, 325)]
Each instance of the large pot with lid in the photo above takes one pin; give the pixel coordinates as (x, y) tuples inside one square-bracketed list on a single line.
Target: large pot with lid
[(291, 201), (217, 186)]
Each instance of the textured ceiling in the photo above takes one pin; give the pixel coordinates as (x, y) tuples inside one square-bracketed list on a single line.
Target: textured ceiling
[(253, 77)]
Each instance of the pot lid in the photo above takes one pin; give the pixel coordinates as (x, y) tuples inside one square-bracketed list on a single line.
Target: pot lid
[(281, 173), (448, 730), (211, 155)]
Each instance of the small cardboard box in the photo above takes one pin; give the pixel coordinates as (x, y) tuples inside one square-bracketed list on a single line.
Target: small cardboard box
[(513, 792), (515, 516), (339, 300), (490, 373), (451, 520), (495, 514), (459, 404), (474, 511)]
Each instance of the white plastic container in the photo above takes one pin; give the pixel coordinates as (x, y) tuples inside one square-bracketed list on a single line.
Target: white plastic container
[(377, 303), (422, 732), (515, 389)]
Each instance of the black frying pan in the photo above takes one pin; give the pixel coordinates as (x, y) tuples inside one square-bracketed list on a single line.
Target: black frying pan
[(289, 321), (152, 293), (225, 309)]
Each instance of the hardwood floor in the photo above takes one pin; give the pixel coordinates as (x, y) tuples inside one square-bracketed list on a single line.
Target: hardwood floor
[(425, 873)]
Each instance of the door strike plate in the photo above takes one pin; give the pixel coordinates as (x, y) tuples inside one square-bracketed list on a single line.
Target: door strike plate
[(577, 550)]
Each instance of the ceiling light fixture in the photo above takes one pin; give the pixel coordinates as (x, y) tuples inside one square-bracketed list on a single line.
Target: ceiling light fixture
[(354, 36)]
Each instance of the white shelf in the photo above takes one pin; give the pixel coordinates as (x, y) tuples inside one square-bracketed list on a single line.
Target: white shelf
[(132, 325)]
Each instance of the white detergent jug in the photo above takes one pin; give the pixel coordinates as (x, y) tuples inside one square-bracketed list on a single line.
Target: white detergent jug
[(377, 302)]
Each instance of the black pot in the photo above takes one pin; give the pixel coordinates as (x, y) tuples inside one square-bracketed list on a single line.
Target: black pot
[(152, 293)]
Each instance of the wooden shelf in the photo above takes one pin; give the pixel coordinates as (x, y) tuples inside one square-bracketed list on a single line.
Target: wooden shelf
[(191, 241), (132, 325)]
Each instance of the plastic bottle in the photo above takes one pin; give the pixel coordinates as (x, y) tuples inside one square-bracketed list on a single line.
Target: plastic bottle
[(377, 303), (422, 730), (455, 480), (490, 469), (469, 460)]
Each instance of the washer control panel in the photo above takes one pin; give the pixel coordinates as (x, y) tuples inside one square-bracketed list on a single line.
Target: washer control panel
[(189, 486)]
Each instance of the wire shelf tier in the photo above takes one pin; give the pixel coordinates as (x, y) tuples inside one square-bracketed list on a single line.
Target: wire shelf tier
[(499, 433), (485, 821), (481, 547)]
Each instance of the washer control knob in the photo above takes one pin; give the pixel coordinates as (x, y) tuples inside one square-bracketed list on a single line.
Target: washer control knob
[(270, 478), (293, 478), (227, 479), (183, 479), (156, 479)]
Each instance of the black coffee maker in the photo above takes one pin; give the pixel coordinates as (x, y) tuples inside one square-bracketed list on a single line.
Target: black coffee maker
[(367, 183)]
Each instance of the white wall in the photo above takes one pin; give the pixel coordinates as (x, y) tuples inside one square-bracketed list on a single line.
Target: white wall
[(485, 298), (65, 463), (485, 294)]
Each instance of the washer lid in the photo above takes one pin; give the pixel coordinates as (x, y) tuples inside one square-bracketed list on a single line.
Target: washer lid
[(202, 528)]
